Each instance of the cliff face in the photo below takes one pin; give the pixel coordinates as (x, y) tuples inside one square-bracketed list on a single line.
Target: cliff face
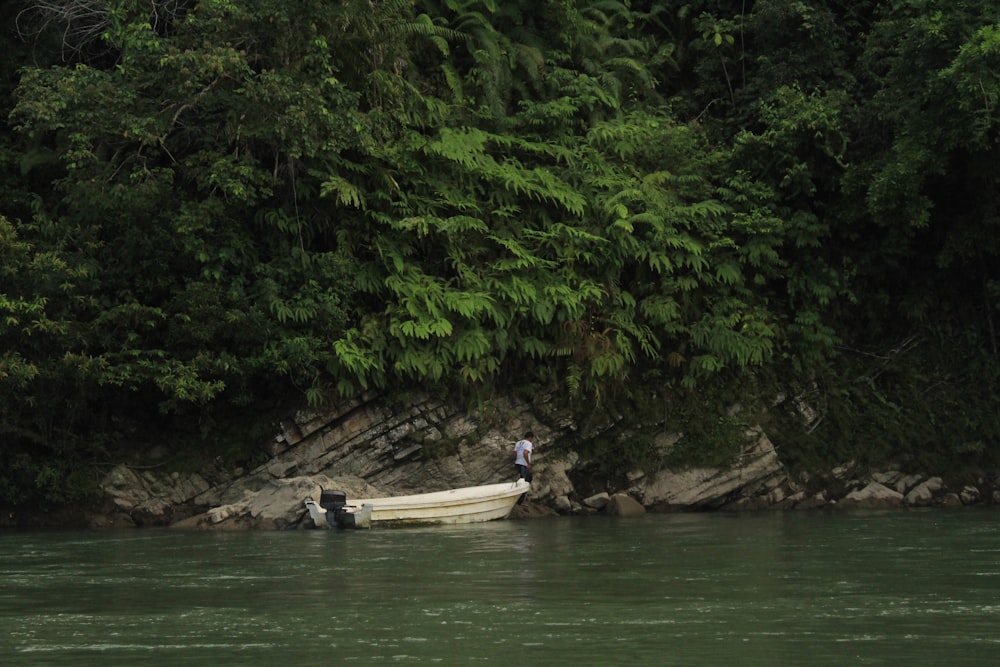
[(367, 447), (371, 447)]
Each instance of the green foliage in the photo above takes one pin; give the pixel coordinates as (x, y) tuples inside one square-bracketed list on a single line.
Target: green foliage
[(708, 442), (227, 206), (678, 430), (914, 405)]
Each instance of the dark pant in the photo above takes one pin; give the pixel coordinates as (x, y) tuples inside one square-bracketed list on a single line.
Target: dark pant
[(524, 472)]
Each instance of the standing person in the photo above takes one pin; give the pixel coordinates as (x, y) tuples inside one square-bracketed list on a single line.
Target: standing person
[(522, 456)]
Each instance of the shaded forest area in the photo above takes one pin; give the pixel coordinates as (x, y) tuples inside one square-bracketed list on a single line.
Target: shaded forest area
[(214, 211)]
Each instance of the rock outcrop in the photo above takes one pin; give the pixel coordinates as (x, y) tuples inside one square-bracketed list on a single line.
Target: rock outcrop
[(278, 505), (757, 472), (148, 497), (370, 447)]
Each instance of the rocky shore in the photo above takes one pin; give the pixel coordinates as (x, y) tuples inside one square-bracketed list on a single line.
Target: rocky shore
[(369, 448)]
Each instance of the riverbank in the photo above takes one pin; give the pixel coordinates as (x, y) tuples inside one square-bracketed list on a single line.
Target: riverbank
[(367, 448), (279, 504)]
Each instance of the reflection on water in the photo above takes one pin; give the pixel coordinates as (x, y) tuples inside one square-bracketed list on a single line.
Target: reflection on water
[(692, 589)]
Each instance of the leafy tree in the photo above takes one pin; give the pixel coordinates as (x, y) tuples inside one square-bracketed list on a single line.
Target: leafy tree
[(204, 263), (929, 193), (222, 206)]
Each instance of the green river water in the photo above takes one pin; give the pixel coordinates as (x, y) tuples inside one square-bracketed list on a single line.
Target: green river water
[(888, 588)]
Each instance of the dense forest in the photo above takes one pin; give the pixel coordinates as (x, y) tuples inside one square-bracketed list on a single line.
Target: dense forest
[(215, 210)]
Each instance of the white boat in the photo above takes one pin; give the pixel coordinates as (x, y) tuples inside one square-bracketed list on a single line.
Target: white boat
[(466, 505)]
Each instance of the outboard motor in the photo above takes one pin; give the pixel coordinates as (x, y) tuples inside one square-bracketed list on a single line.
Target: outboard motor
[(333, 502)]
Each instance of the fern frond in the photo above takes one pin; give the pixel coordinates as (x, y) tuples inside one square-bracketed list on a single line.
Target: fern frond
[(344, 192)]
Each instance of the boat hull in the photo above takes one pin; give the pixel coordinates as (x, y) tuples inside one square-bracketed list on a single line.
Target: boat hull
[(466, 505)]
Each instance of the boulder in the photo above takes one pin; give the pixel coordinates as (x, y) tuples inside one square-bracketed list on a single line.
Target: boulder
[(815, 501), (791, 501), (597, 501), (845, 471), (562, 504), (906, 483), (873, 496), (889, 478), (970, 495), (922, 494), (624, 505), (530, 510), (776, 496), (951, 499)]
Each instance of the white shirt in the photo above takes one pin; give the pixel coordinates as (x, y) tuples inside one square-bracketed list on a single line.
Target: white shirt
[(522, 452)]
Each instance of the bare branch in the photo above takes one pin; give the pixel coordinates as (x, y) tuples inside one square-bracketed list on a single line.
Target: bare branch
[(84, 23)]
